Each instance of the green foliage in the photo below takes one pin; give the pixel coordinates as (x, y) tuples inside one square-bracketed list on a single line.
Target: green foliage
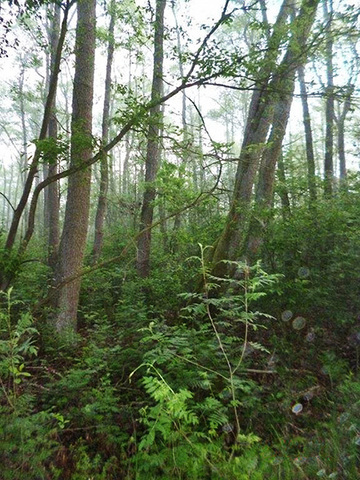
[(175, 445), (28, 436), (52, 150), (199, 389), (330, 451), (10, 263), (16, 344)]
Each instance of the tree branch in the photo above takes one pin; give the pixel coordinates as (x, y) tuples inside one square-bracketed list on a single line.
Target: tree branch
[(8, 201)]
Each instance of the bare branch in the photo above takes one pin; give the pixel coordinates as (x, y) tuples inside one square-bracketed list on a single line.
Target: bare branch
[(8, 201)]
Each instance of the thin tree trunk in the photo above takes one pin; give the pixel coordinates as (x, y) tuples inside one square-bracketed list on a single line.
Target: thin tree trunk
[(329, 103), (153, 147), (73, 239), (52, 198), (310, 157), (184, 157), (22, 204), (104, 169), (43, 133), (341, 134), (282, 189), (24, 152)]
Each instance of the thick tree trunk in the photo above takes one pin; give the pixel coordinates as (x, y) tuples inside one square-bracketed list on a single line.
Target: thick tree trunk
[(73, 239), (265, 185), (153, 147), (104, 168)]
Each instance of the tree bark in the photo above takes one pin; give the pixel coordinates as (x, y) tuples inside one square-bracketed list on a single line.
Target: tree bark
[(257, 127), (104, 168), (265, 185), (185, 135), (282, 189), (73, 239), (309, 145), (43, 133), (153, 147), (341, 134), (329, 103), (275, 97), (52, 203)]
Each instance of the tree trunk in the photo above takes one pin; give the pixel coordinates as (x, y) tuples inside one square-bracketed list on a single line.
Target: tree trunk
[(264, 190), (153, 147), (104, 169), (329, 105), (73, 239), (282, 189), (341, 134), (310, 157), (52, 200), (43, 133), (22, 204), (185, 135), (261, 113), (257, 126)]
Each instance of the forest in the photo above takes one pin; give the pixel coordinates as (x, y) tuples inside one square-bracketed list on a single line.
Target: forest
[(179, 239)]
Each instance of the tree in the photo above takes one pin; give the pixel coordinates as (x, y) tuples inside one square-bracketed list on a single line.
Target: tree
[(33, 167), (340, 122), (256, 130), (329, 100), (104, 168), (310, 157), (153, 146), (52, 201), (270, 104), (73, 238), (135, 113)]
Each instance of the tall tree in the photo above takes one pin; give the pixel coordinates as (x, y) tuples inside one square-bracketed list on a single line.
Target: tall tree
[(153, 146), (283, 85), (329, 100), (33, 167), (309, 144), (272, 106), (43, 133), (104, 168), (340, 121), (256, 130), (73, 238), (52, 200)]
